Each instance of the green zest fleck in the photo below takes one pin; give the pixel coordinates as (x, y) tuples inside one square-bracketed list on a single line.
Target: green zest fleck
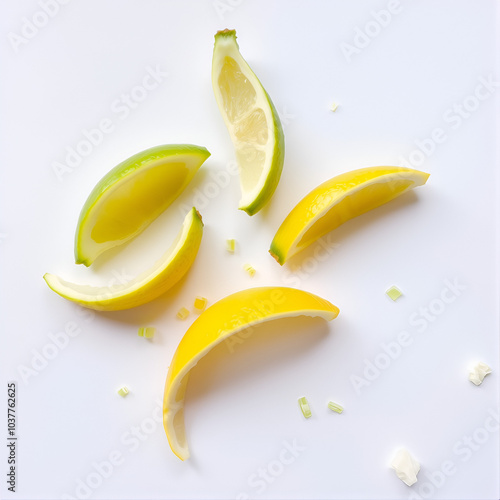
[(123, 391), (394, 293), (335, 407), (304, 406), (146, 331)]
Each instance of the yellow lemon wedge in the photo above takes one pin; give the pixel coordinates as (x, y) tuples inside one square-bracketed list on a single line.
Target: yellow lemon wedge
[(336, 201), (164, 274), (252, 121), (129, 197), (221, 320)]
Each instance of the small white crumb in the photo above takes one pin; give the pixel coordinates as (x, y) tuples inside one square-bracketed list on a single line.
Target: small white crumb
[(478, 372), (406, 466), (334, 106)]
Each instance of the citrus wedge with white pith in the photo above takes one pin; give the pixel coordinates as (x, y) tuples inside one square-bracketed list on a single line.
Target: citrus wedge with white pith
[(252, 121), (129, 197), (223, 319), (164, 274), (336, 201)]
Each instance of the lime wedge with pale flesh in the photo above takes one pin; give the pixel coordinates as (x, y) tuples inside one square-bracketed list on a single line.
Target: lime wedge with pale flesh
[(221, 320), (336, 201), (129, 197), (252, 121), (164, 274)]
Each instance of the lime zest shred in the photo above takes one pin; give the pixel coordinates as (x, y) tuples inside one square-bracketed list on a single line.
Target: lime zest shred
[(146, 331), (231, 245), (394, 293), (182, 313), (249, 269), (304, 406), (123, 391), (335, 407), (200, 303)]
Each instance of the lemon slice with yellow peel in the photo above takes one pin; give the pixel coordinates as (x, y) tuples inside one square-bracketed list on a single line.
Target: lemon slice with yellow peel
[(252, 121), (129, 197), (223, 319), (336, 201), (165, 273)]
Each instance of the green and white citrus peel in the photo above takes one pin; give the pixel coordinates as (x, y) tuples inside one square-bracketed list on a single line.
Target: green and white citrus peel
[(221, 320), (164, 274), (336, 201), (129, 197), (252, 121)]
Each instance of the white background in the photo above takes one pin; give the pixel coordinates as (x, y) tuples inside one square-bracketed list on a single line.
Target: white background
[(241, 407)]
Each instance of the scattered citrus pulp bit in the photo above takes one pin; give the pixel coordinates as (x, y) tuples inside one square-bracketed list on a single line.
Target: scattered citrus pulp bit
[(123, 391), (167, 271), (200, 303), (394, 293), (249, 269), (252, 121), (182, 313), (129, 197), (147, 332), (336, 201), (231, 245), (304, 407), (335, 407), (218, 322)]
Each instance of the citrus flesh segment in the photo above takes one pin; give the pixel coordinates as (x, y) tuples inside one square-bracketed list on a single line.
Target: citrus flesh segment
[(252, 121), (129, 197), (218, 322), (164, 274), (336, 201)]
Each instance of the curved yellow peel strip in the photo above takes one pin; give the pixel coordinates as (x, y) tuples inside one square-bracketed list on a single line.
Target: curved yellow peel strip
[(336, 201), (223, 319), (164, 274)]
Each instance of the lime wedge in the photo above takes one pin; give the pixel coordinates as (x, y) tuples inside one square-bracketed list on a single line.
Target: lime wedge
[(164, 274), (129, 197), (252, 122)]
